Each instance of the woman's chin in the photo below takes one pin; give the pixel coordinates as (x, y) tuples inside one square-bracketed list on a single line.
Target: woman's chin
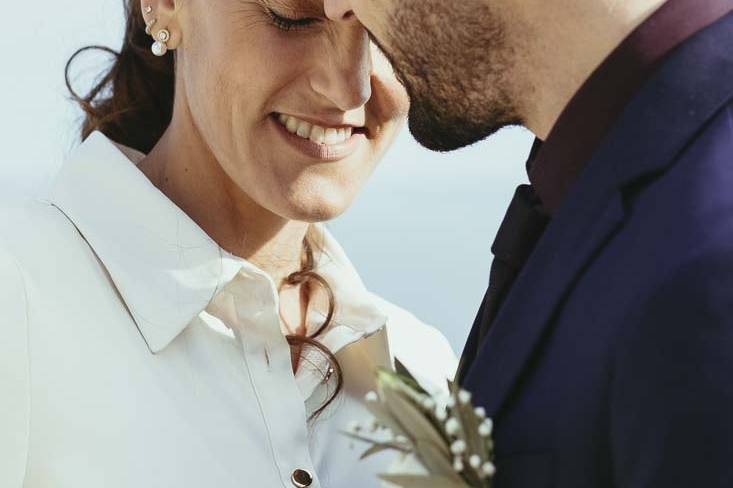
[(310, 198), (318, 209), (312, 215)]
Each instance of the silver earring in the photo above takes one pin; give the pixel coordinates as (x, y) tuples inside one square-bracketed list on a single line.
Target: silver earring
[(148, 9), (160, 46)]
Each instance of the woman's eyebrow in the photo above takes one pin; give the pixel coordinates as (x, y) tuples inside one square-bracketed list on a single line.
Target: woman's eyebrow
[(298, 7)]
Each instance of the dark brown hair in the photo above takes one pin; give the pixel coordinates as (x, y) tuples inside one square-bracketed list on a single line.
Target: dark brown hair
[(132, 104)]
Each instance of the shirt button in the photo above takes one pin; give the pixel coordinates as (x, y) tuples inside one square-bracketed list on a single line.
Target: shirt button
[(301, 478)]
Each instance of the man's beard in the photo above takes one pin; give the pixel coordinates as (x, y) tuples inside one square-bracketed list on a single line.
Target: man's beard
[(455, 62)]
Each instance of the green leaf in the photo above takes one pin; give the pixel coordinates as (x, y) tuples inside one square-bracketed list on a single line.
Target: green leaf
[(435, 460), (470, 423), (408, 377), (376, 449), (421, 481), (387, 378), (384, 416), (401, 369), (360, 437), (382, 445), (412, 420)]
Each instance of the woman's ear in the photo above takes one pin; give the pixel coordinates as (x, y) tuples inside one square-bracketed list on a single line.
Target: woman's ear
[(160, 18)]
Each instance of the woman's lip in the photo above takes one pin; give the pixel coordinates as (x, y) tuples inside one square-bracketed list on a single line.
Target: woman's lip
[(321, 152), (330, 124)]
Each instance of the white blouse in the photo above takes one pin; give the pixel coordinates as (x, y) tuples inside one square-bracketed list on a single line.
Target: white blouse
[(136, 353)]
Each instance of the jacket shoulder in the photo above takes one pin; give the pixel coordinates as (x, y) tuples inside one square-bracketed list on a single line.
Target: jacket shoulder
[(671, 386), (688, 206)]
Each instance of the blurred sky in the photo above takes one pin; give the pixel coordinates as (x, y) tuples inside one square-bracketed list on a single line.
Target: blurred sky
[(420, 234)]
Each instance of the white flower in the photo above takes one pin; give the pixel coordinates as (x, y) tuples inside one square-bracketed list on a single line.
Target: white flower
[(452, 426), (488, 469), (464, 397), (440, 414), (458, 447), (486, 427)]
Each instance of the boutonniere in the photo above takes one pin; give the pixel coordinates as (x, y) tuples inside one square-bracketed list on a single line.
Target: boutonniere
[(443, 441)]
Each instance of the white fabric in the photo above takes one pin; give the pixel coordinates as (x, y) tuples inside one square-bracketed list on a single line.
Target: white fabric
[(135, 352)]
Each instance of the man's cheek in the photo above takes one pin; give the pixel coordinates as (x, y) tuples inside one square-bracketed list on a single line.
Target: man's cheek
[(393, 93), (373, 18)]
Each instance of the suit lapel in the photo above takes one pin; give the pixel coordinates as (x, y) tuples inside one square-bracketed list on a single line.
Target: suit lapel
[(566, 248), (686, 92)]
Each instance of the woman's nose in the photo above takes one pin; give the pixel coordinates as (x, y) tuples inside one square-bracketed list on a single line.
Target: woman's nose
[(337, 9), (344, 76)]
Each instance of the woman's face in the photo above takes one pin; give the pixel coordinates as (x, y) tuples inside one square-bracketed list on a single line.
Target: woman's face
[(297, 109)]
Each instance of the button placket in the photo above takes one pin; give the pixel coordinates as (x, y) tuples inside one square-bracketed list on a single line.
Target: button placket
[(267, 358)]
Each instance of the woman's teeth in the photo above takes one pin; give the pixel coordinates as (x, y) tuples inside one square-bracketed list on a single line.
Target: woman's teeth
[(316, 133)]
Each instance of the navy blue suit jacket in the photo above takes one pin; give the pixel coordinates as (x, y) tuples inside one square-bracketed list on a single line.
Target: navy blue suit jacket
[(610, 363)]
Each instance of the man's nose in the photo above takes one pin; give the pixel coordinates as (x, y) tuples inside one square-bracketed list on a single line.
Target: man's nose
[(344, 78), (337, 10)]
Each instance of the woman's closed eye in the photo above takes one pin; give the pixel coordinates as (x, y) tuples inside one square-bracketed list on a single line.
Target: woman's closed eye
[(286, 23)]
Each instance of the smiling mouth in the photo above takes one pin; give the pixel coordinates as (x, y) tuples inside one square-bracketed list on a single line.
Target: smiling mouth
[(328, 136)]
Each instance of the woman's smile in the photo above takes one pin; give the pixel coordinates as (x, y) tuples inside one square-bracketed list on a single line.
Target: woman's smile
[(320, 141)]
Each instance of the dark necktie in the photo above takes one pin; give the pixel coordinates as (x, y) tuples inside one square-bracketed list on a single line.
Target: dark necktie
[(523, 225)]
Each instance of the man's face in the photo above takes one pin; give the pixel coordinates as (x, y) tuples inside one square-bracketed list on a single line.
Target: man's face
[(454, 58)]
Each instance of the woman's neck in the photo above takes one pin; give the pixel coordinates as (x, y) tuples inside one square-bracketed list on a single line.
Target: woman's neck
[(185, 171)]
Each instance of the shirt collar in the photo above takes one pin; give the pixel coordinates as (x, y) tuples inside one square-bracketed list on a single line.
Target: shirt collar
[(555, 165), (165, 267)]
